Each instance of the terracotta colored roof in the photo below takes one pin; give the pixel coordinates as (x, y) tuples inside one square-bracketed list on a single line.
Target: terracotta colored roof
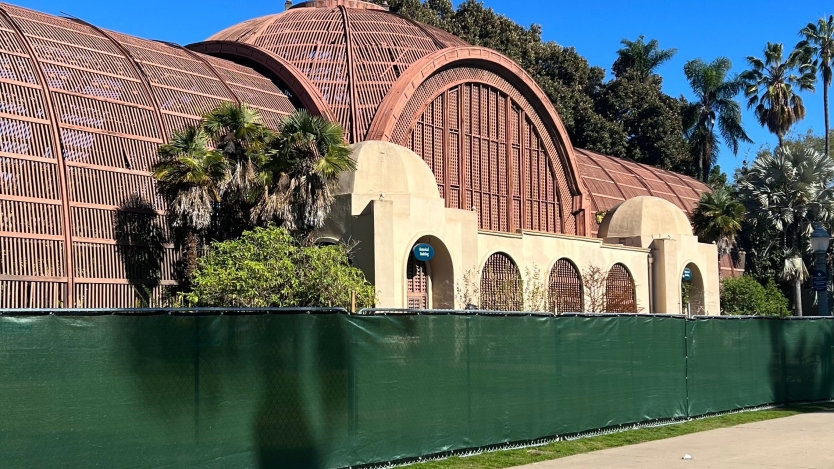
[(351, 50), (610, 180), (83, 112)]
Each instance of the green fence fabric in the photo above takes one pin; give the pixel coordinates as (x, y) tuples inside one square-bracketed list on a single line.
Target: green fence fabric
[(333, 390), (737, 363), (438, 383), (173, 391)]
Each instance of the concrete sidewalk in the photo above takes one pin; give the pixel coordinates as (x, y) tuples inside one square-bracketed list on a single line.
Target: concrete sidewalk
[(802, 441)]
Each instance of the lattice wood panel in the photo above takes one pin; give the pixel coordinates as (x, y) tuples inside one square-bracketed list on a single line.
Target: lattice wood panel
[(87, 221), (353, 52), (564, 291), (501, 287), (477, 133), (619, 291), (611, 180), (417, 284)]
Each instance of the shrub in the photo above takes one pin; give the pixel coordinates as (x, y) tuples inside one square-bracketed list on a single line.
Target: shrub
[(745, 296), (267, 267)]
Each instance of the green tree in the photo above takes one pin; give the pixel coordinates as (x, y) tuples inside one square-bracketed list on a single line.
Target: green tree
[(715, 103), (240, 136), (300, 173), (190, 178), (819, 45), (772, 88), (267, 267), (717, 178), (641, 58), (744, 296), (718, 219), (785, 193), (651, 121), (231, 173)]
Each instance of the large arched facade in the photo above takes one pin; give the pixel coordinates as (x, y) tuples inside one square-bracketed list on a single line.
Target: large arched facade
[(487, 145), (470, 150), (82, 112)]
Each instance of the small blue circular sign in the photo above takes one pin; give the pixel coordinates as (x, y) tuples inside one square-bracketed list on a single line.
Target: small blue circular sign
[(687, 274), (423, 252)]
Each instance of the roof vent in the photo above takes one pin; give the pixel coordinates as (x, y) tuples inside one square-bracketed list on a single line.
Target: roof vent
[(287, 4)]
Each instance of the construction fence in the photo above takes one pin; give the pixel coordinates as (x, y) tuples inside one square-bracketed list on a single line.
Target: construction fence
[(324, 389)]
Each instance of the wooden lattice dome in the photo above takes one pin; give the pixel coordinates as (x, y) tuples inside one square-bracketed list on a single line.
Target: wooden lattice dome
[(82, 111), (352, 52)]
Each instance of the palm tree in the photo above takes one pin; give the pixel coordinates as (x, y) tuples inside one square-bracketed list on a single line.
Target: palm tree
[(300, 173), (787, 192), (239, 134), (772, 88), (717, 219), (641, 58), (715, 104), (819, 45), (190, 178)]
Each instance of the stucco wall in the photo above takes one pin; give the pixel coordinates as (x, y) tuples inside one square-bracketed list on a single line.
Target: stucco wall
[(376, 212)]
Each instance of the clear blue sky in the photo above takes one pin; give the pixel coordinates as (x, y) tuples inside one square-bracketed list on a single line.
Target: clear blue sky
[(705, 29)]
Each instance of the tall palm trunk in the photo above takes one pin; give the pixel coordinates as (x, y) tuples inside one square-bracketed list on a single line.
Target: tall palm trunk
[(190, 256), (797, 283), (825, 111), (781, 138), (797, 296)]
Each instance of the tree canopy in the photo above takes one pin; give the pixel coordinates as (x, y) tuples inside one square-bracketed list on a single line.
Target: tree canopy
[(267, 267), (628, 117)]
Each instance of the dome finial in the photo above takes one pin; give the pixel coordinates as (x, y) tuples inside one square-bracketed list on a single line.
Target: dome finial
[(288, 4), (385, 5)]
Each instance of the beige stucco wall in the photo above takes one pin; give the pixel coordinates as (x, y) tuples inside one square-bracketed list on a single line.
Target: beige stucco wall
[(391, 203)]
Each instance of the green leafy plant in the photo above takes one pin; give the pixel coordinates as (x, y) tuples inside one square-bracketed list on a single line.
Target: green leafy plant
[(785, 193), (267, 267), (772, 88), (819, 47), (718, 218), (468, 290), (745, 296), (535, 290), (715, 109)]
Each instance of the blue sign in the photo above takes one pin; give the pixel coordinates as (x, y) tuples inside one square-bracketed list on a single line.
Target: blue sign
[(820, 281), (423, 252), (687, 274)]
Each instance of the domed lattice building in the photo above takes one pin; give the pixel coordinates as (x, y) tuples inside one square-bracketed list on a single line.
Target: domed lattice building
[(84, 109)]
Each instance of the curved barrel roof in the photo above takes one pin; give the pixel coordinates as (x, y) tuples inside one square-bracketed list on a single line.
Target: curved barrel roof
[(352, 51), (610, 180), (82, 111)]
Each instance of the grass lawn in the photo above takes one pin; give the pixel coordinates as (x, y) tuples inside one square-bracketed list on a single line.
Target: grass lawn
[(517, 457)]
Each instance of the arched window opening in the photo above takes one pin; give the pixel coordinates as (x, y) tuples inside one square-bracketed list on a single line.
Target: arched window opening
[(417, 283), (692, 291), (501, 286), (487, 156), (619, 291), (564, 290)]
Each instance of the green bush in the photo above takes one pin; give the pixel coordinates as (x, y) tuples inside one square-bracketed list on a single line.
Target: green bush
[(745, 296), (266, 267)]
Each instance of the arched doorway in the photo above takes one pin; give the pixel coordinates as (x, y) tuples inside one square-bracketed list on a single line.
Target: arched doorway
[(501, 288), (619, 291), (564, 291), (692, 291), (430, 284), (417, 283)]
